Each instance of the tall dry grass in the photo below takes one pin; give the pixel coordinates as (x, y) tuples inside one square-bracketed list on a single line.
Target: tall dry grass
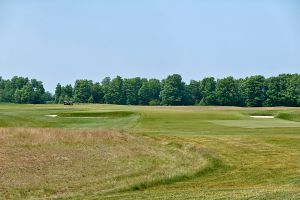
[(40, 136), (45, 162)]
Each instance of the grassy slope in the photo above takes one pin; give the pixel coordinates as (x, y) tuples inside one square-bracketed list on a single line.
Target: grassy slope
[(60, 163), (204, 158), (259, 163)]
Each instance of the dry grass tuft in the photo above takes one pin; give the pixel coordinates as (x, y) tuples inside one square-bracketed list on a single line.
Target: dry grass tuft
[(40, 136)]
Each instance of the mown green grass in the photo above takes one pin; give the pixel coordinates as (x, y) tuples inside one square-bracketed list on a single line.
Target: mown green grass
[(257, 123), (35, 116), (292, 116), (137, 152)]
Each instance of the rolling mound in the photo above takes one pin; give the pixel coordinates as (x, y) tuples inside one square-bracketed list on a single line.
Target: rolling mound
[(60, 163), (292, 116)]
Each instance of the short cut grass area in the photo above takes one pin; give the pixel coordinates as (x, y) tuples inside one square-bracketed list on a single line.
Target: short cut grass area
[(139, 152), (257, 123)]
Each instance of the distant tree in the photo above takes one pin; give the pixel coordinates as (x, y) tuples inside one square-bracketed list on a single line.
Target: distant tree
[(82, 90), (193, 94), (144, 94), (283, 90), (149, 92), (21, 90), (132, 86), (227, 91), (275, 93), (63, 93), (18, 96), (297, 89), (253, 90), (290, 91), (207, 90), (67, 91), (8, 91), (97, 93), (27, 94), (105, 86), (48, 98), (19, 82), (154, 102), (2, 87), (293, 90), (91, 99), (57, 94), (115, 93), (155, 88), (38, 91), (272, 94), (173, 90)]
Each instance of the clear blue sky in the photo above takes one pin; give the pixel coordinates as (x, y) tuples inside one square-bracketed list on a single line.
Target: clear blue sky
[(61, 40)]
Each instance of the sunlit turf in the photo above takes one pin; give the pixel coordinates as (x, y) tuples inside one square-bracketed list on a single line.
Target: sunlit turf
[(257, 123), (35, 116), (138, 152)]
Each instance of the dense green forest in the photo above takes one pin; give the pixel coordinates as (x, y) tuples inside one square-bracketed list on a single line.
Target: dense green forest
[(281, 90)]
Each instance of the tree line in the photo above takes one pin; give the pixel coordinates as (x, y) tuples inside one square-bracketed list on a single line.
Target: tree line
[(281, 90), (23, 90)]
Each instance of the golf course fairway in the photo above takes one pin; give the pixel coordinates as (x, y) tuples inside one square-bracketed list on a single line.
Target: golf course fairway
[(94, 151)]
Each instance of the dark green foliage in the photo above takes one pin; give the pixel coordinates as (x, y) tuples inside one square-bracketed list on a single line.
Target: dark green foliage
[(67, 92), (227, 92), (105, 84), (57, 93), (37, 89), (144, 94), (283, 90), (23, 90), (97, 93), (149, 92), (207, 88), (256, 91), (253, 90), (155, 88), (132, 87), (115, 92), (274, 92), (154, 102), (82, 91), (173, 90), (193, 94), (47, 97)]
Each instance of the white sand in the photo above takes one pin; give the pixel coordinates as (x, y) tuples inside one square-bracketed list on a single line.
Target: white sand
[(262, 117), (51, 115)]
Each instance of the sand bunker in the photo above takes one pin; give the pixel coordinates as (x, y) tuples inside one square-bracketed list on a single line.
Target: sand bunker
[(51, 115), (262, 117)]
